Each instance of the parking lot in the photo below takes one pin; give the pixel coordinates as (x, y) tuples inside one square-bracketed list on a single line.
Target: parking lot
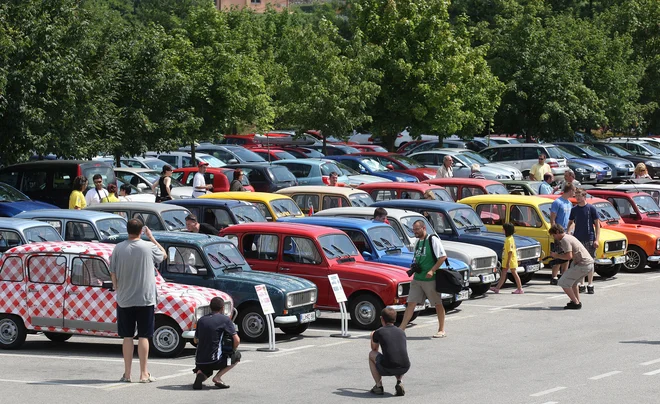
[(500, 349)]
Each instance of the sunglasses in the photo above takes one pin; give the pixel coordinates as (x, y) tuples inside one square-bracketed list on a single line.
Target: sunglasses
[(98, 182)]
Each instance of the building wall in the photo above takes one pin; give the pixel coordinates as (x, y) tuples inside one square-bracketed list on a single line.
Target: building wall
[(257, 5)]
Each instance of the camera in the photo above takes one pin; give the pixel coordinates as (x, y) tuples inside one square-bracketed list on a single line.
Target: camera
[(414, 269)]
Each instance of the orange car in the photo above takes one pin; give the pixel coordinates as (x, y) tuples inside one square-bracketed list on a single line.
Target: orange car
[(643, 241)]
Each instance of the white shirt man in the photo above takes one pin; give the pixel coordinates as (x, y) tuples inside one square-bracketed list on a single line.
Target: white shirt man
[(95, 195), (445, 171), (199, 182)]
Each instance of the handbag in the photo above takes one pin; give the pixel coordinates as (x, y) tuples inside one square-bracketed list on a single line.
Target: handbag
[(448, 281)]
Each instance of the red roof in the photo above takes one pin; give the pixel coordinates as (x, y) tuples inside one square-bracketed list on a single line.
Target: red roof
[(280, 228), (406, 186), (98, 249)]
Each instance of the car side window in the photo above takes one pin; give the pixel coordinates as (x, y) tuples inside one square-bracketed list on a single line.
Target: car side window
[(186, 161), (184, 260), (171, 160), (439, 221), (531, 153), (333, 201), (79, 231), (47, 269), (62, 180), (489, 154), (426, 158), (178, 176), (89, 272), (9, 239), (354, 164), (255, 176), (470, 191), (623, 206), (149, 219), (507, 154), (56, 224), (492, 214), (359, 240), (299, 170), (260, 246), (12, 270), (453, 191), (306, 201), (384, 195), (300, 250), (10, 177), (525, 216), (218, 218), (34, 181)]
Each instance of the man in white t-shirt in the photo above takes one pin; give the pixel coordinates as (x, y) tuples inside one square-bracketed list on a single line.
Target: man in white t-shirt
[(94, 196), (199, 182), (445, 171)]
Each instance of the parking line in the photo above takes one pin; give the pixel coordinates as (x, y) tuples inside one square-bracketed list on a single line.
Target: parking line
[(80, 358), (614, 285), (43, 382), (359, 334), (544, 392), (504, 307), (650, 362), (277, 354), (653, 373), (654, 277), (435, 320), (296, 348), (551, 402), (117, 386), (556, 297), (604, 375), (334, 343)]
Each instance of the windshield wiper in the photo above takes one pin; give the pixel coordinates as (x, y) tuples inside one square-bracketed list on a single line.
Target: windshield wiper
[(179, 221), (230, 265), (34, 241), (343, 254), (169, 223), (329, 251)]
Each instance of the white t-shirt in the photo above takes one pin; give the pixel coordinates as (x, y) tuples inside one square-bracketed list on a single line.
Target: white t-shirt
[(444, 172), (94, 196), (198, 181)]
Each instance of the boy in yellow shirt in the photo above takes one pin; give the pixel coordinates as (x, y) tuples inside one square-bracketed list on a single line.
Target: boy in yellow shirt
[(509, 261)]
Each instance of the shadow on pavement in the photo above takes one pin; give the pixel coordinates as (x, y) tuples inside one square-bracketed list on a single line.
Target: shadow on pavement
[(418, 338), (646, 342), (181, 387), (553, 308), (359, 393), (81, 382)]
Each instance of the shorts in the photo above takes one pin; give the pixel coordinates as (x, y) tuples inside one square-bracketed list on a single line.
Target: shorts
[(422, 290), (574, 275), (383, 371), (127, 317), (209, 368), (589, 245)]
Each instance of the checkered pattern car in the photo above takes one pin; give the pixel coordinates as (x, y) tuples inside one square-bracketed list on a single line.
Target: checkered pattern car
[(64, 288)]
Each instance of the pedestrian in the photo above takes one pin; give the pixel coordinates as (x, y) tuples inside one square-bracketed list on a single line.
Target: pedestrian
[(580, 267), (125, 193), (429, 195), (163, 187), (380, 216), (217, 344), (94, 196), (445, 170), (199, 181), (133, 274), (77, 198), (539, 169), (237, 182), (422, 286), (569, 178), (332, 179), (546, 185), (641, 172), (394, 360), (560, 211), (584, 225), (509, 261), (475, 172), (194, 226), (112, 190)]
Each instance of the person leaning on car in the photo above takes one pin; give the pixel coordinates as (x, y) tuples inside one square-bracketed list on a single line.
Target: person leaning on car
[(194, 226)]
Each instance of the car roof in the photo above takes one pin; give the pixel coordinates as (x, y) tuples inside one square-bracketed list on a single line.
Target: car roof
[(181, 237), (70, 214), (96, 249), (420, 204), (282, 227), (135, 169), (207, 202), (615, 192), (349, 210), (335, 222), (245, 196), (376, 153), (321, 189), (20, 224), (528, 199), (212, 170), (38, 163), (413, 186), (462, 181), (151, 206), (311, 161), (500, 146), (172, 153)]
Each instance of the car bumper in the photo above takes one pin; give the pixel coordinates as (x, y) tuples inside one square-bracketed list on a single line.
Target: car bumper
[(464, 295), (653, 258), (654, 172), (622, 173), (587, 178), (610, 261), (559, 171), (402, 307), (188, 334)]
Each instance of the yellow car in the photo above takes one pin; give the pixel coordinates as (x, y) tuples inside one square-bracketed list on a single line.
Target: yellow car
[(316, 198), (272, 206), (531, 217)]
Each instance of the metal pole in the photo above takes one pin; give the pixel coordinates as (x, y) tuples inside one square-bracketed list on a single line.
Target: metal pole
[(344, 322), (271, 335)]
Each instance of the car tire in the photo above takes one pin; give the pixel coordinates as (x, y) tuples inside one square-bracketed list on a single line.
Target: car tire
[(295, 329), (252, 324), (365, 311), (57, 337), (12, 331), (607, 271), (167, 341), (637, 259), (451, 306), (479, 289)]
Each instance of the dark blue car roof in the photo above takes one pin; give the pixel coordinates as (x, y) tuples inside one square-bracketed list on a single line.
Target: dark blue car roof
[(420, 204), (353, 223)]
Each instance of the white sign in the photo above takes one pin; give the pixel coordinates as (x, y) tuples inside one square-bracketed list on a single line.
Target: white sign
[(264, 299), (335, 283)]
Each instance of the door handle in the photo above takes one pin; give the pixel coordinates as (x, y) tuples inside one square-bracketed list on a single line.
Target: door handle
[(167, 280), (74, 292), (284, 269)]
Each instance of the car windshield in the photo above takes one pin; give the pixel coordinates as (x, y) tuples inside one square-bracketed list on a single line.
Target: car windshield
[(408, 221), (109, 227), (385, 238), (281, 174), (554, 152), (497, 189), (465, 218), (150, 176), (247, 156), (327, 168), (11, 194), (282, 155), (223, 255), (545, 209), (654, 150), (248, 214), (42, 233), (361, 200), (567, 153), (620, 151), (606, 211), (348, 149), (408, 162), (646, 204), (212, 160), (513, 141), (337, 246), (285, 207), (591, 151), (175, 219), (373, 165), (476, 157), (346, 170)]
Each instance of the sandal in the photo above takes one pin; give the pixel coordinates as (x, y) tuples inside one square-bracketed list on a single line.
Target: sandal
[(221, 385), (125, 379), (148, 379), (440, 334)]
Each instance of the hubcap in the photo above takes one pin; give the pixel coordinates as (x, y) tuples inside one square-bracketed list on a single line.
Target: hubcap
[(633, 259), (253, 325), (166, 338), (366, 313), (8, 331)]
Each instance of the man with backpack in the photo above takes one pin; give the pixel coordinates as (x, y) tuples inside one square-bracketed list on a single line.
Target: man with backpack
[(428, 257)]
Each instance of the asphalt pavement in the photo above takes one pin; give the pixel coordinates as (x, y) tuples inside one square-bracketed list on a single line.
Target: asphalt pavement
[(499, 349)]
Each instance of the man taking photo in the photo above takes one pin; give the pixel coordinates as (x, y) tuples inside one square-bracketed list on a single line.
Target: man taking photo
[(394, 359)]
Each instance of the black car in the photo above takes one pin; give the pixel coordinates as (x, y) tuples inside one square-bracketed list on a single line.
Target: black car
[(616, 150), (267, 177), (228, 154), (220, 213)]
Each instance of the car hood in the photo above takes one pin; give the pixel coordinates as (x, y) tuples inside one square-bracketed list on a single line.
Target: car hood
[(501, 169), (198, 294), (285, 283), (365, 179), (404, 259), (637, 229), (392, 272), (397, 176), (471, 250), (495, 241), (14, 208), (597, 164), (613, 161)]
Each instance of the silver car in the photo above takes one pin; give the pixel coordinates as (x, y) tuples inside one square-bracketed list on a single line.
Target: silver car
[(144, 178), (524, 155), (463, 161)]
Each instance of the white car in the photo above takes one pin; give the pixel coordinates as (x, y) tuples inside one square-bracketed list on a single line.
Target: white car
[(463, 160), (143, 178)]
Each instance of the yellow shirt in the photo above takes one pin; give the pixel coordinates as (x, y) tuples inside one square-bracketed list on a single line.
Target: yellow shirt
[(77, 200), (539, 170), (510, 250), (110, 198)]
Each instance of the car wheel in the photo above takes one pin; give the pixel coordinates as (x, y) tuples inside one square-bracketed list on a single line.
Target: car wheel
[(57, 337), (479, 289), (295, 329), (168, 340), (636, 259), (252, 324), (12, 331), (365, 311), (607, 271), (451, 306)]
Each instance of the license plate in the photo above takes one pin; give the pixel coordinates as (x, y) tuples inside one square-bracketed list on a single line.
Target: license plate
[(620, 260), (488, 278), (631, 170), (464, 295), (307, 317), (608, 173), (532, 268), (593, 175)]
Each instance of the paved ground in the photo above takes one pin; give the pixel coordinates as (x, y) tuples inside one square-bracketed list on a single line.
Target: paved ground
[(500, 349)]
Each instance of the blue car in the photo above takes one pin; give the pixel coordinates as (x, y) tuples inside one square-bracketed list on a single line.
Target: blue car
[(13, 202), (79, 225), (443, 216), (378, 242), (214, 262), (15, 232), (312, 171), (595, 170), (622, 169), (220, 213), (371, 166)]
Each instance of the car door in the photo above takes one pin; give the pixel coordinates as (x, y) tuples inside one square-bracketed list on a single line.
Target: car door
[(528, 222), (35, 185), (261, 251), (301, 257), (626, 210), (307, 202), (76, 230), (149, 219), (12, 286), (362, 243), (184, 264), (87, 305), (46, 289)]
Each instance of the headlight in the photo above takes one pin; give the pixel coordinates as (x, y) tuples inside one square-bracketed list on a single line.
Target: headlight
[(538, 251), (621, 165), (199, 313), (399, 290), (652, 164), (607, 247), (624, 245), (493, 262), (473, 265), (312, 298), (227, 309), (465, 276), (580, 170), (289, 300), (500, 177), (657, 244)]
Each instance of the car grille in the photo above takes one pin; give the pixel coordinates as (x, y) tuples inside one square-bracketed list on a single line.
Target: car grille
[(483, 263), (615, 245), (206, 309), (301, 298), (406, 288), (526, 253)]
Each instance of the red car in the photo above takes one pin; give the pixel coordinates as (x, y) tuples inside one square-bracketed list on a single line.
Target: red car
[(313, 253), (406, 147), (460, 188), (385, 191), (402, 164), (273, 154), (369, 147), (634, 207), (221, 178)]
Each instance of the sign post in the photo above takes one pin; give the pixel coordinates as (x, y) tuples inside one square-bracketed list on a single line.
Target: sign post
[(341, 299), (267, 308)]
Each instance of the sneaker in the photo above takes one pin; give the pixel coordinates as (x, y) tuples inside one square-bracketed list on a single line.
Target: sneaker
[(518, 292), (582, 289), (377, 390), (400, 391), (494, 290), (554, 281), (590, 289), (199, 379), (573, 306)]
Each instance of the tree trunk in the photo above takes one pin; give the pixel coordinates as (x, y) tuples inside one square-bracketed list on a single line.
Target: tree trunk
[(192, 154)]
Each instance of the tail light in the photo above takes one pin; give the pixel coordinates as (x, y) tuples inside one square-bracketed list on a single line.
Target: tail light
[(553, 164), (325, 179), (399, 135), (371, 139)]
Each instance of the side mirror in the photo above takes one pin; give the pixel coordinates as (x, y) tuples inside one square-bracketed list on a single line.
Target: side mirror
[(141, 186), (584, 155), (202, 271), (107, 285), (458, 164), (232, 161), (389, 167), (366, 255), (634, 216)]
